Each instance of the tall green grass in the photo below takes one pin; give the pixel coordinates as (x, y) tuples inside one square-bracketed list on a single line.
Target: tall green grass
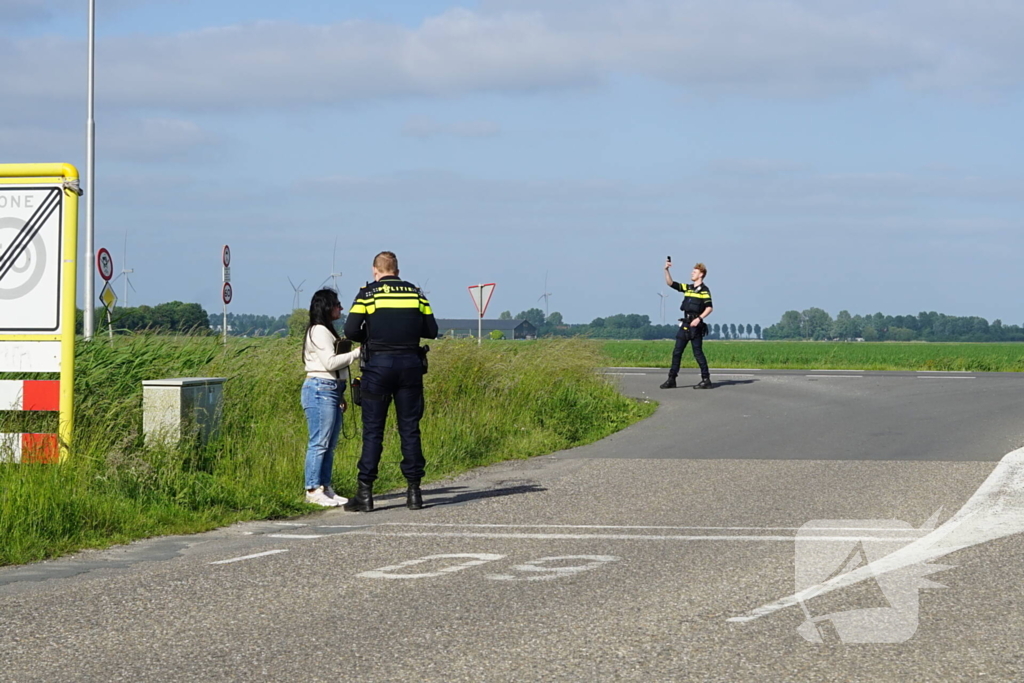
[(484, 404), (1007, 357)]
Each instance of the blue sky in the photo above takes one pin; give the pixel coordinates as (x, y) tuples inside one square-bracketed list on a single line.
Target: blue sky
[(845, 155)]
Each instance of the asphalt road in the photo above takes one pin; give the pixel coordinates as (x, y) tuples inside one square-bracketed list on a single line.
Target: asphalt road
[(623, 560)]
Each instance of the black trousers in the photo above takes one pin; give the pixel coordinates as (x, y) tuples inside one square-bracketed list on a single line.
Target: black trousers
[(387, 377), (682, 339)]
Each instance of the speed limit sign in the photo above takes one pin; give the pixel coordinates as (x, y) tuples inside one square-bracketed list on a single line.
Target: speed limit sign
[(105, 264), (226, 293)]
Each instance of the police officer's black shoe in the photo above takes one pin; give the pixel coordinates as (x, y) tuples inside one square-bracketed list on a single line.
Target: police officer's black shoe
[(670, 383), (704, 384), (363, 501), (413, 496)]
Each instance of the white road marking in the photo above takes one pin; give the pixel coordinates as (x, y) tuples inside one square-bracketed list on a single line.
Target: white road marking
[(844, 370), (947, 377), (610, 526), (540, 572), (249, 557), (620, 537), (344, 526), (475, 559), (835, 376), (994, 511), (289, 524), (298, 536)]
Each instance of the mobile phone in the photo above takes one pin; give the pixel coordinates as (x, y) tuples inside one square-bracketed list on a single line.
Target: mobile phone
[(670, 259)]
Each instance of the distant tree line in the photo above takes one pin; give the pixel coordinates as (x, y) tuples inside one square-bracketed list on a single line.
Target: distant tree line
[(173, 316), (622, 326), (817, 324)]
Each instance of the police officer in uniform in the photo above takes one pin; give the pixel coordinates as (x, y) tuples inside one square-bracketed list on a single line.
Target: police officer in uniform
[(696, 307), (389, 317)]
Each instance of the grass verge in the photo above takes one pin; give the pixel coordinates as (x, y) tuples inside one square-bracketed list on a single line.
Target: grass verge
[(484, 404), (975, 357)]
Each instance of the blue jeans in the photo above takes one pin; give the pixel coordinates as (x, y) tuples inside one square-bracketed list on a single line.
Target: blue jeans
[(321, 399)]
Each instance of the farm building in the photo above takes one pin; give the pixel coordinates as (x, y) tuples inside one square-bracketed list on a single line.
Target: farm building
[(466, 327)]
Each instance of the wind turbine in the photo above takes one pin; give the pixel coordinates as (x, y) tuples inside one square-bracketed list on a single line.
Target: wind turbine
[(423, 288), (126, 271), (663, 297), (298, 291), (545, 295), (335, 274)]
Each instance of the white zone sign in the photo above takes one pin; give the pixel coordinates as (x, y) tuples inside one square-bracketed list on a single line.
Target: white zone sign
[(30, 258)]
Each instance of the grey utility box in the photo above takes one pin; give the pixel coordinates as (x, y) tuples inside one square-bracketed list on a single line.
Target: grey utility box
[(182, 408)]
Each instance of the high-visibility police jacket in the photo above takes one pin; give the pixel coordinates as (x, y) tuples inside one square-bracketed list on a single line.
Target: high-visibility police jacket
[(696, 298), (390, 316)]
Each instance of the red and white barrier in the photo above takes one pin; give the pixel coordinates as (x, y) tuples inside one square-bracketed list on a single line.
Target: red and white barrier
[(29, 395), (29, 448)]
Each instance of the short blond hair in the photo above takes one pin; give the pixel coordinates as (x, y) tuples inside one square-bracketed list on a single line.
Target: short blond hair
[(386, 262), (702, 268)]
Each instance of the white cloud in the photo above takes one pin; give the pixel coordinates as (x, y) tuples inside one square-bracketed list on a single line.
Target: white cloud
[(761, 47), (426, 127), (155, 139)]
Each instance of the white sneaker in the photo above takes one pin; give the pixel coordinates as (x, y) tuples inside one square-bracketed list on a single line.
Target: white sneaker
[(329, 492), (318, 497)]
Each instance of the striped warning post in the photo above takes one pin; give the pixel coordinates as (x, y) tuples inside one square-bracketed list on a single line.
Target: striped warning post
[(29, 395)]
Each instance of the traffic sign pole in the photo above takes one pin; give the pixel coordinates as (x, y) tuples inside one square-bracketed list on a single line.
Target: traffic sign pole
[(225, 289), (105, 265), (481, 297)]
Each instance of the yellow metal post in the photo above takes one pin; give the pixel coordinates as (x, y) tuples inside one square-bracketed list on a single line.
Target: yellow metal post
[(65, 175)]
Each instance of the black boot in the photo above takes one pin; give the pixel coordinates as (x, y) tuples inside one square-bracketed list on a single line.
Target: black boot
[(413, 497), (704, 384), (670, 383), (363, 501)]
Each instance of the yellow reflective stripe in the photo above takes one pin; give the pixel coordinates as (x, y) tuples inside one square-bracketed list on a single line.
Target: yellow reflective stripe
[(357, 308), (398, 303), (425, 308), (699, 295)]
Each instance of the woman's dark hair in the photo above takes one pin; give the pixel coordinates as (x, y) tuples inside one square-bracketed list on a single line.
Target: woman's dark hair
[(321, 312)]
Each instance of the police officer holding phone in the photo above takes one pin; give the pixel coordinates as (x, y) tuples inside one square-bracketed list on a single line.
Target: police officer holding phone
[(696, 307), (389, 317)]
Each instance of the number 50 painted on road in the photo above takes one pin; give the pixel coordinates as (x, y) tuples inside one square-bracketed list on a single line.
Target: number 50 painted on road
[(534, 570)]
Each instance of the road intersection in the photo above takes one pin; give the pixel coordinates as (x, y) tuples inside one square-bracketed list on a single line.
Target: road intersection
[(634, 558)]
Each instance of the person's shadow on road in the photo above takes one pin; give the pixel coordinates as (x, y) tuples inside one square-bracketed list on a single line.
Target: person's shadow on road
[(454, 495), (718, 384)]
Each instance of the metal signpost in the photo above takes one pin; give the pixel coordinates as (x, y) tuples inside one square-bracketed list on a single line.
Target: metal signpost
[(38, 279), (225, 289), (481, 295), (105, 264)]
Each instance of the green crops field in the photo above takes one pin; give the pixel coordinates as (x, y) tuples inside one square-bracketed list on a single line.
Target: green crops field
[(826, 355), (484, 404)]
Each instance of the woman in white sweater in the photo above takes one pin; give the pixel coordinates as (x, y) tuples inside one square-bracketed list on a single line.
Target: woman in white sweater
[(326, 377)]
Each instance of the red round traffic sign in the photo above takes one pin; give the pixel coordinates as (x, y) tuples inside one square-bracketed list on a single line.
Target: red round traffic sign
[(226, 293), (105, 263), (225, 255)]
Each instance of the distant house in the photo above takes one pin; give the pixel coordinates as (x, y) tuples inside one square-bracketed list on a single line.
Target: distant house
[(466, 327)]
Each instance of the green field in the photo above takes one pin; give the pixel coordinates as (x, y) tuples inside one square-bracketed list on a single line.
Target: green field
[(1007, 357), (484, 404)]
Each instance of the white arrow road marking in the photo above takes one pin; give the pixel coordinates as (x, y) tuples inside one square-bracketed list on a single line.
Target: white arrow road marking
[(994, 511)]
